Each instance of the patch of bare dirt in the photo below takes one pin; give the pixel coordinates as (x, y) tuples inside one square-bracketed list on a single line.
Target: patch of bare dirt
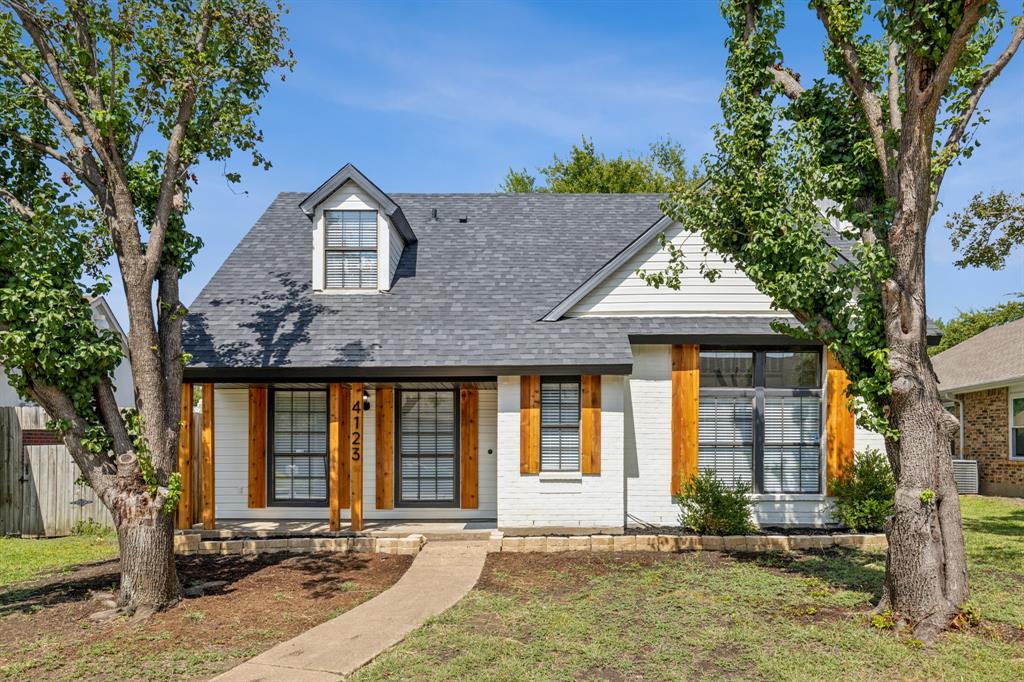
[(45, 631)]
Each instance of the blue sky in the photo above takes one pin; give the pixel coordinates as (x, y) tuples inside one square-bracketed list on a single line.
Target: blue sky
[(434, 97)]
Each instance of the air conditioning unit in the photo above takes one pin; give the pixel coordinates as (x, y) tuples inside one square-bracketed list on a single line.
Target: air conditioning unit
[(965, 471)]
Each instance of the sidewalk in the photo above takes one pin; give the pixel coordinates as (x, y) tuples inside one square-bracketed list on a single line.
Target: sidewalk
[(441, 574)]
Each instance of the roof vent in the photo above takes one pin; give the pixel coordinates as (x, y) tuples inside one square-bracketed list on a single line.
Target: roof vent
[(433, 214), (463, 218)]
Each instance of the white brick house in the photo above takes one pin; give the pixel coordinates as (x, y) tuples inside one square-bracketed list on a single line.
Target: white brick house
[(496, 357)]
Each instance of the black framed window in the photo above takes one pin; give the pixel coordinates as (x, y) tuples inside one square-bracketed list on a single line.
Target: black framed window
[(350, 249), (559, 424), (760, 419), (427, 448), (298, 452)]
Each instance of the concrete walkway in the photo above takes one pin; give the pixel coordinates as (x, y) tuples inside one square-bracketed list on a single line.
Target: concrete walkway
[(441, 574)]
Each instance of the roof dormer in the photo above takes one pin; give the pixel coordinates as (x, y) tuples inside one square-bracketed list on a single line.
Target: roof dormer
[(359, 233)]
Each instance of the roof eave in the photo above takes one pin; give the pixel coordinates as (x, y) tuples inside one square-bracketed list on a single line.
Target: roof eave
[(349, 173)]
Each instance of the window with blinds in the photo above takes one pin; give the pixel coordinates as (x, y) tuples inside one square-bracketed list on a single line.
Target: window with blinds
[(427, 455), (726, 438), (299, 453), (760, 419), (792, 444), (559, 425), (350, 245)]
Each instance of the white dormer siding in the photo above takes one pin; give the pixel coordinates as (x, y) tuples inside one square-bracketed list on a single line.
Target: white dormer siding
[(389, 245), (624, 293)]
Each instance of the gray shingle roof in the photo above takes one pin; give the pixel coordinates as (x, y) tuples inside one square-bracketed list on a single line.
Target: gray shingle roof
[(994, 356), (466, 295)]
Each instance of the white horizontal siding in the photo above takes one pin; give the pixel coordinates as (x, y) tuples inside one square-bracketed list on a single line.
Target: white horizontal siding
[(231, 458), (648, 452), (624, 293), (529, 501)]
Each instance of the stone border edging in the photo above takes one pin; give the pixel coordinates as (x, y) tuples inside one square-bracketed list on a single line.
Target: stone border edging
[(192, 543), (681, 543)]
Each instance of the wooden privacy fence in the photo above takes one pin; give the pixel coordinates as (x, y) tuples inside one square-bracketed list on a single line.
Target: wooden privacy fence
[(39, 492)]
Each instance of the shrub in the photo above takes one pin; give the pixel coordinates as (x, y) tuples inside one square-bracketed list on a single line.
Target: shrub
[(709, 507), (90, 527), (865, 492)]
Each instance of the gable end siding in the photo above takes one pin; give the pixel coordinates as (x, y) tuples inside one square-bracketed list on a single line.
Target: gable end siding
[(624, 293)]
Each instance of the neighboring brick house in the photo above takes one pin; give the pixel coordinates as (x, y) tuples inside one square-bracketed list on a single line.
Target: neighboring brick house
[(984, 378)]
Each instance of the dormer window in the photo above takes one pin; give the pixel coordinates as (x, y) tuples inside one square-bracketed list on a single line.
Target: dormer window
[(350, 249)]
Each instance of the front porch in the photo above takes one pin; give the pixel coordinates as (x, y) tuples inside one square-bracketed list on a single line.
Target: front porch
[(372, 459)]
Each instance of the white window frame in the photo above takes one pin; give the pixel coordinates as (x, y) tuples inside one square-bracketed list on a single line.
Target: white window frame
[(327, 249), (1009, 422)]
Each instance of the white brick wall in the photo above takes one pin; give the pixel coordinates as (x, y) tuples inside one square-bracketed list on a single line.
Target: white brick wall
[(648, 455), (593, 501), (231, 459)]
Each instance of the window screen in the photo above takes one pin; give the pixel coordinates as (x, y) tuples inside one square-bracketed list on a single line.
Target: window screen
[(559, 425), (726, 435), (351, 249), (792, 444), (300, 446), (427, 448)]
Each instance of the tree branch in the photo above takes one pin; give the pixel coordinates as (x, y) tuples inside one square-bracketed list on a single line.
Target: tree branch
[(870, 103), (90, 173), (895, 116), (53, 153), (15, 204), (952, 147), (789, 81), (111, 416), (169, 183), (98, 468), (961, 36)]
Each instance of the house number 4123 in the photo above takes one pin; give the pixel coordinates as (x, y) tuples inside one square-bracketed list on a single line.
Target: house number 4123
[(357, 429)]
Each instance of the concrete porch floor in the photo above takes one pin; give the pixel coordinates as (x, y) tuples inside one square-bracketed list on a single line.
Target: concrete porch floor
[(229, 529)]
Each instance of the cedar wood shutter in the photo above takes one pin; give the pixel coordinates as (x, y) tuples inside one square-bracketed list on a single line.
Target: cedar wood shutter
[(469, 445), (529, 424), (839, 424), (685, 413), (257, 447), (590, 424), (385, 498)]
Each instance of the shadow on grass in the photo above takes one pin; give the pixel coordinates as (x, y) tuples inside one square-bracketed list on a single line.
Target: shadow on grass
[(326, 575), (1011, 524), (841, 568)]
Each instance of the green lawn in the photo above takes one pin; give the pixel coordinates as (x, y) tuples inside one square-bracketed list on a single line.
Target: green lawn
[(24, 559), (647, 616)]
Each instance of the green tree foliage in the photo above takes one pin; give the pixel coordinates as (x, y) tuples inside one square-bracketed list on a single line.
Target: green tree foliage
[(970, 323), (987, 230), (587, 171), (105, 108)]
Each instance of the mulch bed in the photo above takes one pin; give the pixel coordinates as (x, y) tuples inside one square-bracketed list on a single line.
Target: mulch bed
[(267, 598), (766, 530)]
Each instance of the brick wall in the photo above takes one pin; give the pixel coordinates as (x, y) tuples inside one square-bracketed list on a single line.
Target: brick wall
[(986, 439), (40, 437)]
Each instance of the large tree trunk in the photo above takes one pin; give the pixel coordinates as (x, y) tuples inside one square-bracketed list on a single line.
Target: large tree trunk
[(145, 533), (926, 580), (148, 577)]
